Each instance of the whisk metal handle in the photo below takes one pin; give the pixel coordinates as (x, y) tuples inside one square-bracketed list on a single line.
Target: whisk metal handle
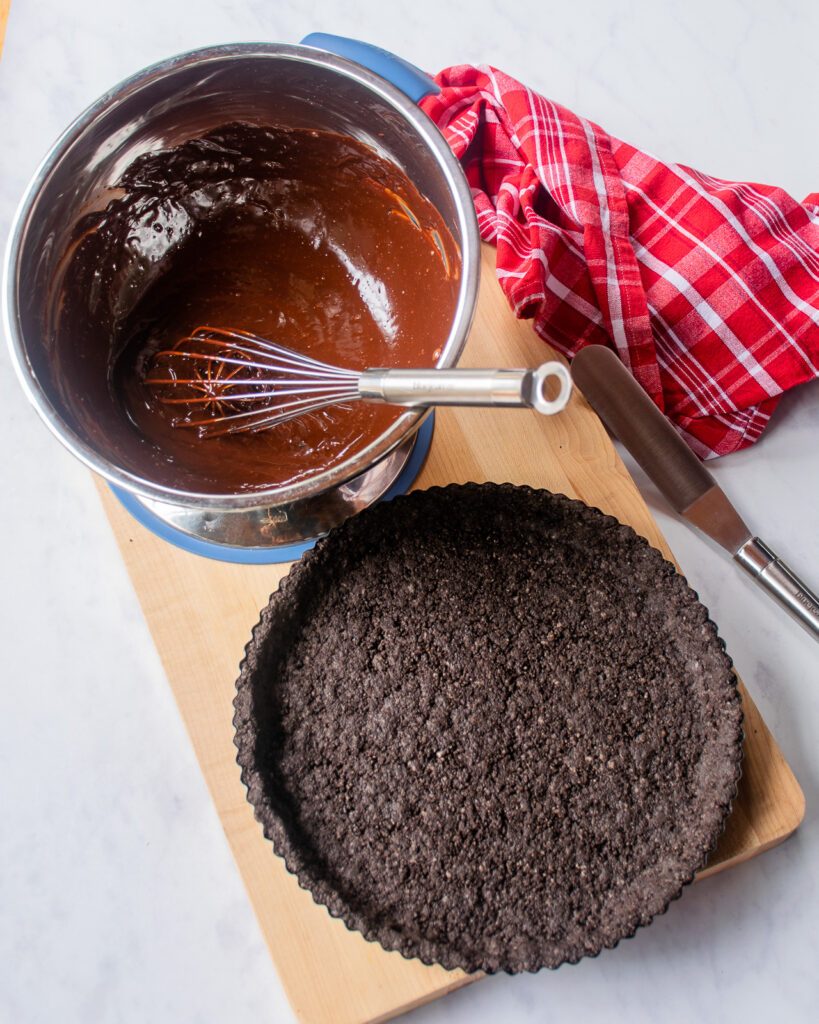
[(469, 387)]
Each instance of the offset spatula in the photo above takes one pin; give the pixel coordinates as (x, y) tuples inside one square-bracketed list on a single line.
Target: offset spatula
[(686, 484)]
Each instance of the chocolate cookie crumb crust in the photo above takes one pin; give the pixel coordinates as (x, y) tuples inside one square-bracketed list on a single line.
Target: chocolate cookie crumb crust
[(489, 727)]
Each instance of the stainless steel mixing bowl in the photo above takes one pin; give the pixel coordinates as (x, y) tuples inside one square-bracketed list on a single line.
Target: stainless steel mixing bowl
[(297, 86)]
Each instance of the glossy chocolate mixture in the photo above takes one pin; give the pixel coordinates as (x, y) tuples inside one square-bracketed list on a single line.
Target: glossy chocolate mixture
[(308, 238)]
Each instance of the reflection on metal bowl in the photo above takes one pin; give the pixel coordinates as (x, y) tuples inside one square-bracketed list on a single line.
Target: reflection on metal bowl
[(164, 106)]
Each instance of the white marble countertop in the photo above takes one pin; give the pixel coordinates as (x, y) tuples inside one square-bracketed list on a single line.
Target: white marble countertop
[(120, 899)]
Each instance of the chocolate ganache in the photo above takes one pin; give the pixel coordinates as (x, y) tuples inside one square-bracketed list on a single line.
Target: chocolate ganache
[(308, 238)]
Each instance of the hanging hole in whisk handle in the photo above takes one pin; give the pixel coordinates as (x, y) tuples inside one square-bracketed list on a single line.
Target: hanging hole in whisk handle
[(551, 386)]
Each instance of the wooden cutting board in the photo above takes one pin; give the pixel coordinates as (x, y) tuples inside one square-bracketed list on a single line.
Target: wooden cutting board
[(201, 613), (4, 15)]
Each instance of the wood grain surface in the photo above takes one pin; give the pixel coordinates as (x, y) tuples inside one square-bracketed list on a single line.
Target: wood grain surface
[(201, 613)]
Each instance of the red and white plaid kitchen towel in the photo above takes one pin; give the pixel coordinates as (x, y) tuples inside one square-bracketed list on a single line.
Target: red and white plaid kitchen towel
[(707, 289)]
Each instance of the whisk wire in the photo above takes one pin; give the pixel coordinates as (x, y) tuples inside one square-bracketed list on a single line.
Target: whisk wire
[(252, 344), (259, 419), (217, 368), (227, 387), (224, 360)]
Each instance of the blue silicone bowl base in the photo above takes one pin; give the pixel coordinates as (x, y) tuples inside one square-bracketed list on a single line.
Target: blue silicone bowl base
[(267, 555)]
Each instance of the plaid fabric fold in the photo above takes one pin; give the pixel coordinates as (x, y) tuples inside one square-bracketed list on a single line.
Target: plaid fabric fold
[(707, 289)]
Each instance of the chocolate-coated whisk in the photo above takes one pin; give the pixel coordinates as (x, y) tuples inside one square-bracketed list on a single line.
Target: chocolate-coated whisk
[(226, 381)]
